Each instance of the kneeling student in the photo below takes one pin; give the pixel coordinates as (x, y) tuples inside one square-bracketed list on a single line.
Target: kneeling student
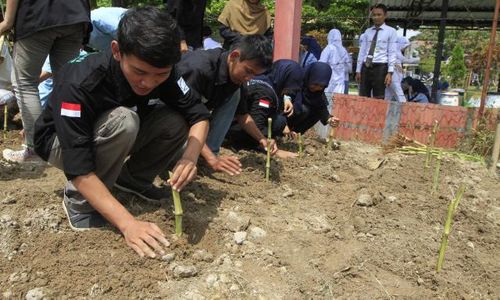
[(130, 102), (217, 75), (311, 105), (258, 103)]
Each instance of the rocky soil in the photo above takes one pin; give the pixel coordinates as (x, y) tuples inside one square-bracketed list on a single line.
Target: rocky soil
[(352, 223)]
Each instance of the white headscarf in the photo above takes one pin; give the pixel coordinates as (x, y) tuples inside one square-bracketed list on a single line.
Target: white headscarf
[(403, 42), (335, 40)]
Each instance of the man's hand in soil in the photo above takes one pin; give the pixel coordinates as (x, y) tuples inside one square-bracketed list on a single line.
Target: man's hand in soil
[(184, 172), (228, 164), (291, 135), (145, 238), (274, 147), (286, 154)]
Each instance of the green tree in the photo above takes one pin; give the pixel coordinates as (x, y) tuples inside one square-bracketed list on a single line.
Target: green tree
[(455, 69)]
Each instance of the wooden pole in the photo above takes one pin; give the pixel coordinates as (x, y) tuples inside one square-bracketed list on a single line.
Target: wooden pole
[(439, 49), (486, 80), (496, 151)]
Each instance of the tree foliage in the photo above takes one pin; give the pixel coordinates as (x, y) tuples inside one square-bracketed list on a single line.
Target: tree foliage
[(455, 69), (349, 16)]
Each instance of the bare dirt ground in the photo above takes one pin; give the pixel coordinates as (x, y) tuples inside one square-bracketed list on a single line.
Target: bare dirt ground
[(303, 235)]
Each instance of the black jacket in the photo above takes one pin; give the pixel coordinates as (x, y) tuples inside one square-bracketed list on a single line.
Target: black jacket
[(86, 88), (207, 72), (34, 16)]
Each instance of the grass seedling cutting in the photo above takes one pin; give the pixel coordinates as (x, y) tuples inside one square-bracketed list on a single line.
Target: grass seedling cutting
[(301, 144), (435, 180), (432, 139), (268, 158), (177, 209), (5, 115), (452, 208)]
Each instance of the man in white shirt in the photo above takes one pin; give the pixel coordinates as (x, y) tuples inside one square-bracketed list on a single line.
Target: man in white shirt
[(377, 55)]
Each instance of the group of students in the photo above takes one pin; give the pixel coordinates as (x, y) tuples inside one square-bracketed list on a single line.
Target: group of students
[(119, 118)]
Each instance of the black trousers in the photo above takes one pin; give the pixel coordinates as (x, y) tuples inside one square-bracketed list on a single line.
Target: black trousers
[(372, 81), (301, 122)]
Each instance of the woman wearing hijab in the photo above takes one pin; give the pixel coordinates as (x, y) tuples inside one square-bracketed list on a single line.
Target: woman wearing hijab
[(416, 90), (244, 17), (311, 106), (310, 51), (339, 60), (286, 77), (394, 90)]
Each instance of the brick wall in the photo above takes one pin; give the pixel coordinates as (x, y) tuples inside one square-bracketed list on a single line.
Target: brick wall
[(375, 121)]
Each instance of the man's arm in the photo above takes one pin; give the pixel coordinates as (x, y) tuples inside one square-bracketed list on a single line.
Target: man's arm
[(10, 16), (144, 237), (391, 56), (185, 169), (248, 124), (362, 52)]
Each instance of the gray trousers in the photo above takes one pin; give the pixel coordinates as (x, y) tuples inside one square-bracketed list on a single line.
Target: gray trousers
[(62, 44), (154, 144)]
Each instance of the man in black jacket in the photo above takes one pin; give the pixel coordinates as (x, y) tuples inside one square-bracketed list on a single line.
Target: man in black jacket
[(131, 102), (216, 76)]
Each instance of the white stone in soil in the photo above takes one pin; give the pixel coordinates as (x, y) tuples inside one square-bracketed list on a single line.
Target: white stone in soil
[(235, 222), (169, 257), (257, 232), (185, 271), (211, 280), (240, 237), (365, 200), (203, 255), (35, 294)]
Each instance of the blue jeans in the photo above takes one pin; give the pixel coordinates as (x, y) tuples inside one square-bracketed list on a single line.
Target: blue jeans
[(222, 116)]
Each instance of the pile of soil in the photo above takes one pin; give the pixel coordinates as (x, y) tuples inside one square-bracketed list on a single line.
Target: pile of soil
[(352, 223)]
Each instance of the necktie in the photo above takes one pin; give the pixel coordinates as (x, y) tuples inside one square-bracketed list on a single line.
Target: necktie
[(369, 57)]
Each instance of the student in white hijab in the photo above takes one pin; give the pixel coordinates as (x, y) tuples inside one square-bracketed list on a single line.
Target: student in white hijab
[(339, 60), (394, 90)]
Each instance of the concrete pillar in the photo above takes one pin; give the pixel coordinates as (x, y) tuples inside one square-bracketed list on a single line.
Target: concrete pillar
[(287, 29)]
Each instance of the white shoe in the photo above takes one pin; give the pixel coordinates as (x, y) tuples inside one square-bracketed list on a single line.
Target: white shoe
[(21, 156)]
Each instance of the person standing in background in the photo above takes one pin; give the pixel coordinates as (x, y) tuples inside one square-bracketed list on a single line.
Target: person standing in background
[(394, 90), (43, 27), (104, 26), (244, 17), (310, 51), (208, 42), (189, 15), (377, 55), (336, 56)]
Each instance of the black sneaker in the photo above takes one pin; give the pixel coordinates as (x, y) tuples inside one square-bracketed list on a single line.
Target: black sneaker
[(84, 221), (152, 194)]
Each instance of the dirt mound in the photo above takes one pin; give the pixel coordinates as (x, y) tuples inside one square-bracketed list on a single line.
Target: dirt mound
[(353, 223)]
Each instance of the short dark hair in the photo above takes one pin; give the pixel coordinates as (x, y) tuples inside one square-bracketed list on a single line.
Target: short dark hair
[(150, 34), (381, 6), (255, 47)]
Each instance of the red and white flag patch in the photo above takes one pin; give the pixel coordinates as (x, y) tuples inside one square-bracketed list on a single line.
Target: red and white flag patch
[(264, 103), (72, 110)]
